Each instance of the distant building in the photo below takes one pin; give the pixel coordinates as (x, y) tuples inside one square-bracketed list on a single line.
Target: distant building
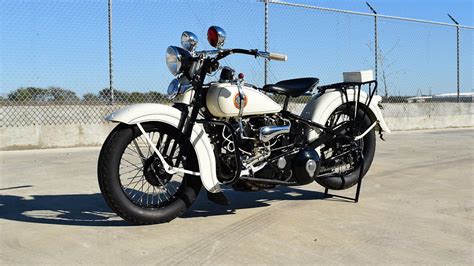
[(443, 97)]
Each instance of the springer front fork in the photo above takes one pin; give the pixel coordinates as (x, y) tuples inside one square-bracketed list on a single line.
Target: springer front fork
[(170, 169), (185, 125)]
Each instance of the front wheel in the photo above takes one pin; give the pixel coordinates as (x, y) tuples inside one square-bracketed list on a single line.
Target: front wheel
[(133, 181), (341, 159)]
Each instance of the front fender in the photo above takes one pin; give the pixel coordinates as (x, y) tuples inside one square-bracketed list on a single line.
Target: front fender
[(147, 112), (320, 108)]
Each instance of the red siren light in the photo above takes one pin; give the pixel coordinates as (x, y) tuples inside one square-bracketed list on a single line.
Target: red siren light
[(216, 36), (212, 36)]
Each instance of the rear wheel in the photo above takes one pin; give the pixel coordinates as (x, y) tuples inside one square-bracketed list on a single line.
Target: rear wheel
[(133, 180), (341, 159)]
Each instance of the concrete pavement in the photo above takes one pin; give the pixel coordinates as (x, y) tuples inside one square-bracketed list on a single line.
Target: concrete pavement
[(416, 207)]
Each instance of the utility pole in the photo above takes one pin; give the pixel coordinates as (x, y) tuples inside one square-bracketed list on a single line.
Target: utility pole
[(457, 58), (265, 79), (111, 88), (376, 42)]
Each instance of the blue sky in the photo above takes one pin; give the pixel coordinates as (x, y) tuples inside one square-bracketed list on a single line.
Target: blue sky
[(64, 43)]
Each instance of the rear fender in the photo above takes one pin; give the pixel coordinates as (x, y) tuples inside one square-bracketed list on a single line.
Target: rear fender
[(147, 112), (320, 108)]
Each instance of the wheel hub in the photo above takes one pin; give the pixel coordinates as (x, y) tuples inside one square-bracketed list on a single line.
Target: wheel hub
[(155, 173)]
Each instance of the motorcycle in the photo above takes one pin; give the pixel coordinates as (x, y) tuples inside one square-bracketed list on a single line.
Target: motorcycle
[(231, 133)]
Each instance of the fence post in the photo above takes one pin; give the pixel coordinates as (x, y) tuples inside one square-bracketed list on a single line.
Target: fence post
[(111, 88), (265, 70), (457, 58), (376, 41), (458, 65)]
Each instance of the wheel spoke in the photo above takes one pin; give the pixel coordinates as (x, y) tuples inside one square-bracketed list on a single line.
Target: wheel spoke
[(141, 175), (133, 178), (136, 169), (130, 163), (139, 151), (133, 189)]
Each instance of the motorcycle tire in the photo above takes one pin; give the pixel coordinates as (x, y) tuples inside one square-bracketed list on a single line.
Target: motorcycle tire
[(112, 187), (347, 180)]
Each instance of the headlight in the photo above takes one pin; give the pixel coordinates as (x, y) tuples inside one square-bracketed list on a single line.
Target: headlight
[(173, 89), (176, 59)]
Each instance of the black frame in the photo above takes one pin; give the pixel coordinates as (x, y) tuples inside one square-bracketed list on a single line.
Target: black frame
[(188, 119)]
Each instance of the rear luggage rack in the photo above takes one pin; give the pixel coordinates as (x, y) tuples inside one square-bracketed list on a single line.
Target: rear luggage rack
[(343, 87)]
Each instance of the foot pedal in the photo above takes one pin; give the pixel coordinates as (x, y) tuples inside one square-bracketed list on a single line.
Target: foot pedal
[(218, 198)]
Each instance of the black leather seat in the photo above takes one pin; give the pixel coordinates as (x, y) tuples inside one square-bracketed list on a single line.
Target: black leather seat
[(292, 87)]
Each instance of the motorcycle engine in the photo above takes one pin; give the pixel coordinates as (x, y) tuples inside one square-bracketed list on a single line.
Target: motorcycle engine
[(302, 167), (266, 138), (267, 149)]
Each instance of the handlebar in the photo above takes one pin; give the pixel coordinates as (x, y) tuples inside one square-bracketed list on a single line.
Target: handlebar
[(272, 56), (278, 57)]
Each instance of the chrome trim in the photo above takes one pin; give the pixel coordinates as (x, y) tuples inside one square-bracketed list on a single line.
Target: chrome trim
[(220, 36), (269, 132), (311, 167), (184, 84), (174, 59), (208, 52), (189, 41), (263, 54), (173, 89), (272, 56), (281, 163), (185, 88)]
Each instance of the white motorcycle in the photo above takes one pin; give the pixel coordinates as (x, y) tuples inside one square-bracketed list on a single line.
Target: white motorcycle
[(231, 133)]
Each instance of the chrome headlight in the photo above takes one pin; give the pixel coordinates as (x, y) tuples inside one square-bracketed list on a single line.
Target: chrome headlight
[(173, 89), (189, 41), (178, 86), (177, 59)]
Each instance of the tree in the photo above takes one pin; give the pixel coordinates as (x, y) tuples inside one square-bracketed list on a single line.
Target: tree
[(105, 95), (385, 66), (90, 98), (56, 94), (28, 94), (136, 97), (34, 94), (153, 96)]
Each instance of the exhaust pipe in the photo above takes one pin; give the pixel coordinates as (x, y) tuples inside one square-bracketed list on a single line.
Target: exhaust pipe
[(269, 132)]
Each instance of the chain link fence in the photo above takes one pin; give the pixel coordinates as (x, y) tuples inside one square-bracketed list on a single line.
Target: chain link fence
[(55, 66)]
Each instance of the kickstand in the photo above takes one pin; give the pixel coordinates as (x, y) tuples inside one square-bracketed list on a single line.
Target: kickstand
[(359, 184)]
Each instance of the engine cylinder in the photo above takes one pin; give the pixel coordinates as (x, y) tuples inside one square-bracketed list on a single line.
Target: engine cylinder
[(269, 132)]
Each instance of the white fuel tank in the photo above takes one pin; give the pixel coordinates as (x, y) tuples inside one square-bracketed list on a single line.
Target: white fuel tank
[(223, 101)]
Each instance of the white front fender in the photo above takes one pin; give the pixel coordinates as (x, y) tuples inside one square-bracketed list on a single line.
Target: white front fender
[(146, 112), (320, 108)]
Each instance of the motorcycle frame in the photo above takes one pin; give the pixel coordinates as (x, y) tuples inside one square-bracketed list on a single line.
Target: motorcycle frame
[(183, 116), (189, 119)]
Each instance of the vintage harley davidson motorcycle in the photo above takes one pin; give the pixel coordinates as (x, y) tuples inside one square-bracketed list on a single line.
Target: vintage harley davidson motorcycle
[(233, 134)]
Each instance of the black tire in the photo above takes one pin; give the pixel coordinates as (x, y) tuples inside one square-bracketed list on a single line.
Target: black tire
[(114, 191), (350, 178)]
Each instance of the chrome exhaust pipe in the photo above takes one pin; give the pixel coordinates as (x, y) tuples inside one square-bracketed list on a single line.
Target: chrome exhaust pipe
[(269, 132)]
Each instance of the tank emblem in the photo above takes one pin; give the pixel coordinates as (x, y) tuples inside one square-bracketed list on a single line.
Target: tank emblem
[(237, 101)]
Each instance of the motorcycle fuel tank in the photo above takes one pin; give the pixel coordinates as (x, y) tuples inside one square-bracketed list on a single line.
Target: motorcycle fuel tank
[(223, 101)]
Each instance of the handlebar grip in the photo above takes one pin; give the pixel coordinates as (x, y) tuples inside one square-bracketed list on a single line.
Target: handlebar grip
[(278, 57)]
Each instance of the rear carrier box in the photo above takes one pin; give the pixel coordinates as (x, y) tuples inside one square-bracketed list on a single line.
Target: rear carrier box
[(358, 76)]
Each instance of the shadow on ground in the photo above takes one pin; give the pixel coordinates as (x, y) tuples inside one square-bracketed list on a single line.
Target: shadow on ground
[(91, 209)]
